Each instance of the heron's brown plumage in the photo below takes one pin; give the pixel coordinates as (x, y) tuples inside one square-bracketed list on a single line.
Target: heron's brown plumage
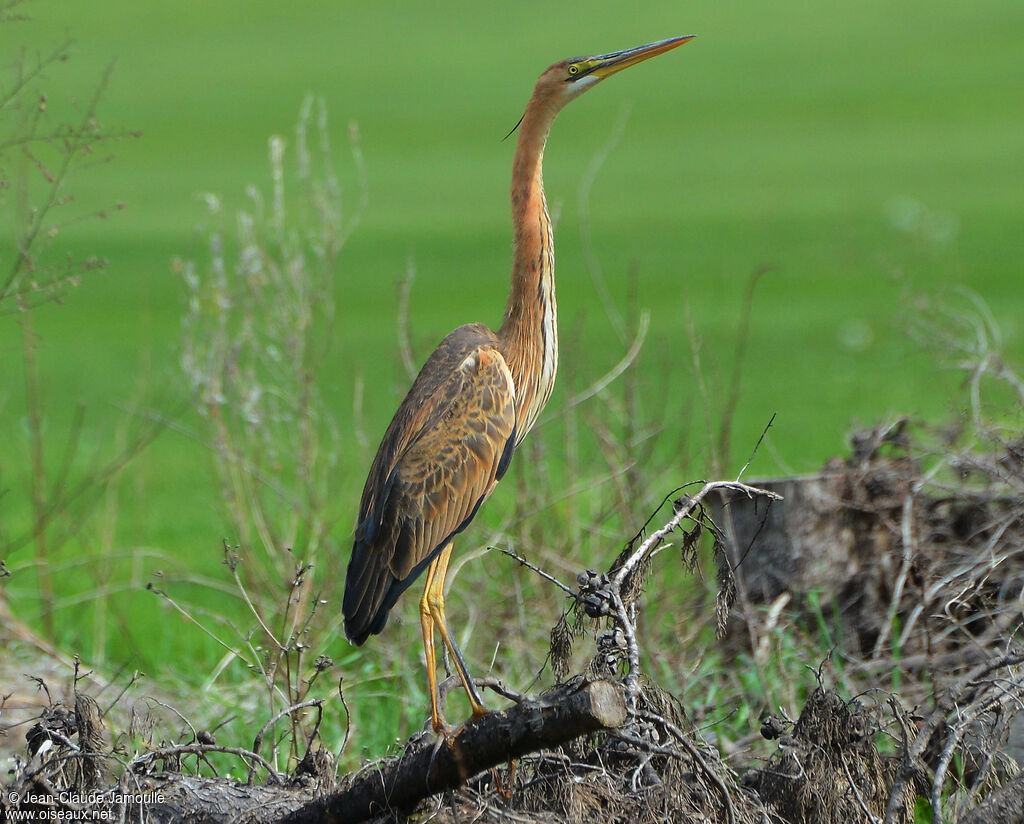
[(447, 446), (452, 437)]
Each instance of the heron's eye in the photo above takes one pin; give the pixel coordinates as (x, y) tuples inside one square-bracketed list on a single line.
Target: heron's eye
[(574, 69)]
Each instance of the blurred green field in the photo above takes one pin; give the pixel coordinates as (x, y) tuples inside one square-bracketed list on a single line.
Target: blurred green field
[(864, 153)]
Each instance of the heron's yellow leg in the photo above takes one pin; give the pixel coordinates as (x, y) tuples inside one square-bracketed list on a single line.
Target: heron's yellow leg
[(427, 623), (434, 597)]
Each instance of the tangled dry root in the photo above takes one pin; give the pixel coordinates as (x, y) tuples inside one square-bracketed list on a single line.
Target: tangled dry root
[(829, 769)]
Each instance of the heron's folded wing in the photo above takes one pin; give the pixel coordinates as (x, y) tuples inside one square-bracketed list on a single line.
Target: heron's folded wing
[(458, 449), (448, 471)]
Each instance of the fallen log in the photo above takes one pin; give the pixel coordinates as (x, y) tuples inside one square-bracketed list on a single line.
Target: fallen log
[(399, 784)]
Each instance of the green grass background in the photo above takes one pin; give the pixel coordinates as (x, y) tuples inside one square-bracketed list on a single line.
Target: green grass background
[(784, 136)]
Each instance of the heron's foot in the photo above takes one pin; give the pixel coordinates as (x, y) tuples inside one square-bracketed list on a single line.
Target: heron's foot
[(442, 729), (449, 734)]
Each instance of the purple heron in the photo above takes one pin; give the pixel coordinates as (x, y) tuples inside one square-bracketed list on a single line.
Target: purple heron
[(471, 405)]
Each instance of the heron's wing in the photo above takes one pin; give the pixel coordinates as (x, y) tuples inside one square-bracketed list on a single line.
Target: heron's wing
[(455, 443)]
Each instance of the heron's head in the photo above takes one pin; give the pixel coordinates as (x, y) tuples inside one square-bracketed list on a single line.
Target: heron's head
[(568, 79)]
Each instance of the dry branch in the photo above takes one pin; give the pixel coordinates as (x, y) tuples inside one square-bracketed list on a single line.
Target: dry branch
[(486, 742), (1004, 806), (623, 586)]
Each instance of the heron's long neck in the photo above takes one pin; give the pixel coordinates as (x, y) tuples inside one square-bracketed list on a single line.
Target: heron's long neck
[(529, 333)]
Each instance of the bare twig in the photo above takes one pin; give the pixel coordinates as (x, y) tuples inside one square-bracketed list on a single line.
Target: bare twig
[(683, 512), (908, 549), (161, 753), (258, 742), (856, 792), (698, 759), (757, 446), (545, 575)]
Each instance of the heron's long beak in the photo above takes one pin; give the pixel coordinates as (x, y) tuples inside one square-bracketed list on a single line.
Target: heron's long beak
[(605, 65)]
